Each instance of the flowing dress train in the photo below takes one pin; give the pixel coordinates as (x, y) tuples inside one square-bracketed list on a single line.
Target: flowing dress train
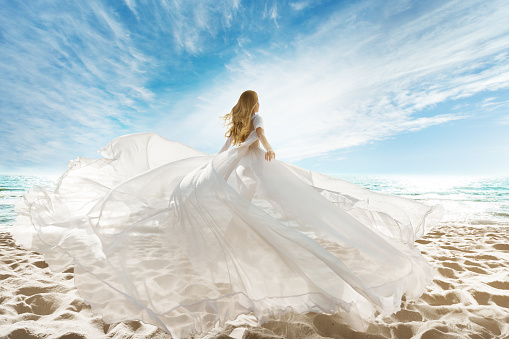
[(164, 233)]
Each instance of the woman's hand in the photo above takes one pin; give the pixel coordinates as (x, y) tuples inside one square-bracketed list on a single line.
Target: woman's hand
[(270, 152), (270, 155)]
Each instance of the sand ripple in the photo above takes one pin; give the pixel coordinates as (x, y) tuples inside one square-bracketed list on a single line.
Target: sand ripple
[(38, 303), (469, 298)]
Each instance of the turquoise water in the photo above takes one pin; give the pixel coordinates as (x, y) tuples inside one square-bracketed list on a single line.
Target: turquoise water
[(12, 188), (467, 200)]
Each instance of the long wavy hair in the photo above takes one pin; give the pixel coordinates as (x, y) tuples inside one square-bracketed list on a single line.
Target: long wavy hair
[(239, 119)]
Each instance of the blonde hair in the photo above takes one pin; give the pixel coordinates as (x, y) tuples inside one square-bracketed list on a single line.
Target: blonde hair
[(239, 119)]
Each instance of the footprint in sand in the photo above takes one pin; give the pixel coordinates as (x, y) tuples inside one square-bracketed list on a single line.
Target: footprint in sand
[(40, 264), (482, 298), (444, 258), (501, 285), (36, 289), (327, 326), (436, 299), (473, 263), (22, 333), (447, 272), (490, 325), (5, 276), (44, 304), (476, 269), (407, 316), (453, 265), (443, 285), (501, 300), (501, 247)]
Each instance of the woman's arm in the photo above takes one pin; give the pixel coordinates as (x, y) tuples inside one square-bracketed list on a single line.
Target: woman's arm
[(270, 152)]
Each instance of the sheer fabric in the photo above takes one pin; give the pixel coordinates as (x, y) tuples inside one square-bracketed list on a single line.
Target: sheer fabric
[(184, 240)]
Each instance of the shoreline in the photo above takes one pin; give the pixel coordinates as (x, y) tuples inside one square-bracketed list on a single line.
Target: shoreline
[(468, 298)]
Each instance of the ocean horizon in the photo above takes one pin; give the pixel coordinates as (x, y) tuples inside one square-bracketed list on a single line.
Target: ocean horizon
[(475, 201)]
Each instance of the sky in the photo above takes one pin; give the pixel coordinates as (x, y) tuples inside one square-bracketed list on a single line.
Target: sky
[(345, 87)]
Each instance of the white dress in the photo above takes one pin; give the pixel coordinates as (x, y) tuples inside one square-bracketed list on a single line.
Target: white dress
[(184, 240)]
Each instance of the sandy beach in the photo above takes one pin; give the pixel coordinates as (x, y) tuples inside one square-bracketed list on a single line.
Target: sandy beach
[(469, 298)]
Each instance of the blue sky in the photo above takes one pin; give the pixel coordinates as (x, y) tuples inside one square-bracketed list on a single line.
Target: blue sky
[(345, 87)]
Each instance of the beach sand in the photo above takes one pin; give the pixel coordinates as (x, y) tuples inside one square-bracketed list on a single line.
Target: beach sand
[(469, 298)]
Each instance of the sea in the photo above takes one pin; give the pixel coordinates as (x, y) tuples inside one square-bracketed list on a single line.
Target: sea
[(476, 201), (12, 189)]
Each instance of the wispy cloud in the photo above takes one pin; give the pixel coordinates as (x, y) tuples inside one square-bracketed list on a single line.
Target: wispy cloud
[(330, 75), (76, 74), (271, 12), (299, 5), (69, 74), (359, 78), (191, 25), (132, 6)]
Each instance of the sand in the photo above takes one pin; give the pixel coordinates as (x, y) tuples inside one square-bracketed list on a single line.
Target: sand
[(469, 298)]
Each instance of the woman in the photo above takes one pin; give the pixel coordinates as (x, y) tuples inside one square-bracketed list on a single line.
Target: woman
[(241, 125), (161, 232)]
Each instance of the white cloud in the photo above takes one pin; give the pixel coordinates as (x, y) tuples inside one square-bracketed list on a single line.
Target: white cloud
[(193, 24), (77, 75), (132, 6), (73, 77), (299, 5), (273, 14), (354, 81)]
